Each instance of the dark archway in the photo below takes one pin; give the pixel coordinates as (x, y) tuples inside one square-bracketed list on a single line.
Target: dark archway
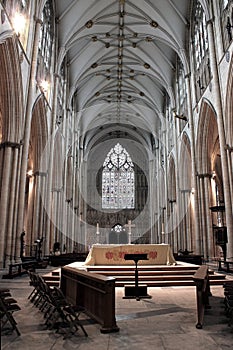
[(118, 235)]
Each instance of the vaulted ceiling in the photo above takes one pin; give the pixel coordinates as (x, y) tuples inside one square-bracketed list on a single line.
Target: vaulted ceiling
[(121, 58)]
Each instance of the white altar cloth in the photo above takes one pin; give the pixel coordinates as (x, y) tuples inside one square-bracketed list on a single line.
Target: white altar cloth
[(113, 254)]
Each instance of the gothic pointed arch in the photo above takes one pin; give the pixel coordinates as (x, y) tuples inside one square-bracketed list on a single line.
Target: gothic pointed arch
[(118, 180), (11, 88), (229, 107), (207, 134), (36, 174), (185, 174), (39, 135), (209, 160), (118, 235), (185, 208)]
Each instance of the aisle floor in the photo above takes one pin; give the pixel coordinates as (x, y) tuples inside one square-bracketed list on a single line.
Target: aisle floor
[(164, 322)]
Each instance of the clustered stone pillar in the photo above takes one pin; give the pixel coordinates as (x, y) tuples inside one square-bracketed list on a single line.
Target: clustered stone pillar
[(194, 168), (10, 156), (48, 204), (26, 137), (222, 137)]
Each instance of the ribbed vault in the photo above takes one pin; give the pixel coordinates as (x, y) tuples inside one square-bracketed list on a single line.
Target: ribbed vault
[(121, 56)]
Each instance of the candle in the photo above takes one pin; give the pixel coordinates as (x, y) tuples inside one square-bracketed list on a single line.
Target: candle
[(97, 228)]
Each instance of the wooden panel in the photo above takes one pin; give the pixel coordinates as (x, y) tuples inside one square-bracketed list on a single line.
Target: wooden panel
[(96, 293), (201, 280)]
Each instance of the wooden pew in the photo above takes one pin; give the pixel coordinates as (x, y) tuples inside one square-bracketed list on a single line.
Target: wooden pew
[(18, 269), (225, 265), (201, 280), (96, 293)]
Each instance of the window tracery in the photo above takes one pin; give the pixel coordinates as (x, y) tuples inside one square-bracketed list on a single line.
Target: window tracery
[(118, 180), (200, 49), (226, 10), (45, 43)]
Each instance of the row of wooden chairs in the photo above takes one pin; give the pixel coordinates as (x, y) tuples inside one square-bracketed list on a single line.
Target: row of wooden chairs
[(58, 313), (8, 305), (228, 301)]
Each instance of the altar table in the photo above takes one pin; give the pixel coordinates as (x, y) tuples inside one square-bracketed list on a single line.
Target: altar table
[(113, 254)]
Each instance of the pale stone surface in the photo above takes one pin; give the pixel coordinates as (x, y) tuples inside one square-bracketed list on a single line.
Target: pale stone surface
[(164, 322)]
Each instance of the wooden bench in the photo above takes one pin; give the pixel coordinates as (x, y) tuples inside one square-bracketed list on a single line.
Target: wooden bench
[(94, 292), (224, 265), (201, 280), (18, 269)]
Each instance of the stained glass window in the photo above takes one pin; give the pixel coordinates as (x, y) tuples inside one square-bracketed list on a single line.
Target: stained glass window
[(46, 34), (44, 61), (226, 16), (118, 180), (200, 49)]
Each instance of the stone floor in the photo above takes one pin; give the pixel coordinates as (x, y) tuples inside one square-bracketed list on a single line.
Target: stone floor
[(164, 322)]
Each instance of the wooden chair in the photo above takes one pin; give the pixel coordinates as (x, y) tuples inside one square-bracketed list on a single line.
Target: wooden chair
[(58, 313), (71, 312), (62, 316), (8, 306)]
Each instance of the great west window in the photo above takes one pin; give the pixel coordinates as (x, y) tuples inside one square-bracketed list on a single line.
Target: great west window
[(118, 180)]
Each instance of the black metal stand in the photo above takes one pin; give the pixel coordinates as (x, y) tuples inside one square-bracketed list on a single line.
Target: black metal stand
[(136, 291)]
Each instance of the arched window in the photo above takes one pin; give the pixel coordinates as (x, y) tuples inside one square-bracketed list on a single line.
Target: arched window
[(118, 180), (45, 46), (226, 11), (19, 13), (46, 34), (200, 49)]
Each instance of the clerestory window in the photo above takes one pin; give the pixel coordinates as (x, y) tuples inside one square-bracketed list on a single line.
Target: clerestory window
[(226, 16), (200, 49), (45, 46), (118, 180)]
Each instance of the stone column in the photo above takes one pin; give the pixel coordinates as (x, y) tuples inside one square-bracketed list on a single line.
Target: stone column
[(26, 138), (36, 208), (4, 200), (206, 229), (42, 217), (209, 228), (151, 196), (30, 206), (203, 215), (9, 154), (222, 138), (13, 203), (48, 203), (194, 167), (229, 158)]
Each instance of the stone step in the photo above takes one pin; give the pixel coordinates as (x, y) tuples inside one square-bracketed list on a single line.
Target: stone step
[(129, 268), (144, 273), (166, 276)]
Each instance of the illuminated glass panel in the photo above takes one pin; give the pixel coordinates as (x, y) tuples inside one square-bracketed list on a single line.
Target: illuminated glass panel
[(118, 180), (46, 34)]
